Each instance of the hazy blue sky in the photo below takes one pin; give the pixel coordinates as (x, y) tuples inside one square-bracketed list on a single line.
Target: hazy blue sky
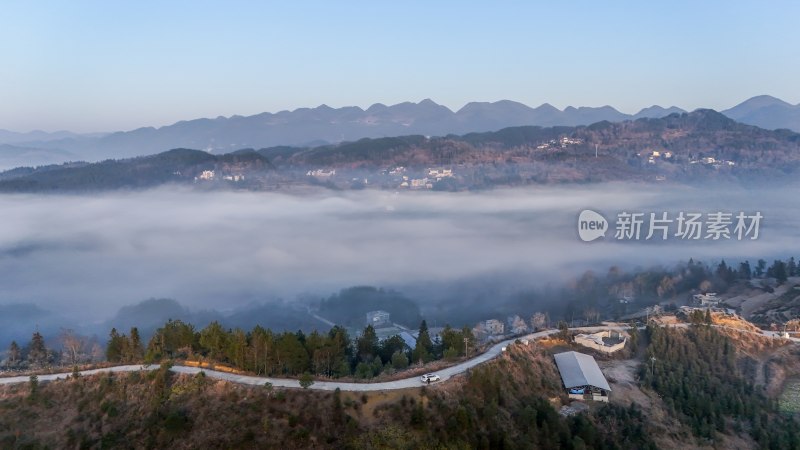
[(98, 66)]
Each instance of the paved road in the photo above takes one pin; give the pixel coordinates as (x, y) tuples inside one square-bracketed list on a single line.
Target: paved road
[(405, 383)]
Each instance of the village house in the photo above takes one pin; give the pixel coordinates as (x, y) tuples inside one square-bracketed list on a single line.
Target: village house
[(378, 319), (607, 341), (582, 377)]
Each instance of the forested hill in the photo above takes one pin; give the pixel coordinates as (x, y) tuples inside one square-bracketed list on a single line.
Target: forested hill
[(688, 147), (173, 166)]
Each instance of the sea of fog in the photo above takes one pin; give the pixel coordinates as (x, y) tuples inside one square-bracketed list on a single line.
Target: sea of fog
[(89, 254)]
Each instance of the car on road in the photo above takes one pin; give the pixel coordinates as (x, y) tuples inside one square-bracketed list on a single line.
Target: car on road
[(430, 378)]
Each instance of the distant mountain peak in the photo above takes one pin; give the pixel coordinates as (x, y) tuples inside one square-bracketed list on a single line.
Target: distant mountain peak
[(766, 111), (760, 101)]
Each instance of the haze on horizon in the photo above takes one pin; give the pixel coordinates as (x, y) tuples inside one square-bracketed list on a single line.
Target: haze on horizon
[(89, 67)]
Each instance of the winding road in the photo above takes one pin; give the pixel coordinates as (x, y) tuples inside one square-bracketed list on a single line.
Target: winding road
[(404, 383)]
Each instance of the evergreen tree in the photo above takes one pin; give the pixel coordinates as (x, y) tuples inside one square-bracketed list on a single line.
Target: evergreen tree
[(745, 272), (115, 351), (778, 270), (367, 344), (37, 351), (424, 348), (214, 339), (136, 349), (761, 266)]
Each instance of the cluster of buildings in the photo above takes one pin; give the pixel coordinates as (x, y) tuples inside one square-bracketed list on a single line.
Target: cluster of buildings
[(321, 173), (438, 174), (206, 175), (656, 154), (210, 175), (491, 329), (432, 175), (709, 299), (711, 161), (562, 142)]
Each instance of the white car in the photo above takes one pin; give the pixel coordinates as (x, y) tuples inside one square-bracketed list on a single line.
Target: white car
[(430, 378)]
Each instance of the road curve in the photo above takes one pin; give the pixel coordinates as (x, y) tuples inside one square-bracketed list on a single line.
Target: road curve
[(405, 383)]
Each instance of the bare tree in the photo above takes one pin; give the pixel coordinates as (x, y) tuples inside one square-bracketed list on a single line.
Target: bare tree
[(72, 345)]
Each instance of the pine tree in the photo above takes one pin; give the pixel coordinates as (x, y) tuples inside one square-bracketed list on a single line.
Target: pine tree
[(37, 351), (136, 349), (791, 267), (367, 344), (424, 348), (114, 349)]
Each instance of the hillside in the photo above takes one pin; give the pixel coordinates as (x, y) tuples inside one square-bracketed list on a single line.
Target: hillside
[(692, 147), (701, 391), (503, 405), (174, 166)]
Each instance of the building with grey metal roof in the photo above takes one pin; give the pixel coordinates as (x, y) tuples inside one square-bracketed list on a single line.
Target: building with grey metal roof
[(579, 370)]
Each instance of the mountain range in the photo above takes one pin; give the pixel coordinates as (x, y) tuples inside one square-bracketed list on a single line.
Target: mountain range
[(321, 125), (699, 146)]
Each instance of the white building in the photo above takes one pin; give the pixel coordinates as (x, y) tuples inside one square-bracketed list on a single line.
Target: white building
[(493, 327), (378, 319), (321, 173), (604, 341), (440, 173), (421, 183), (708, 299), (206, 175)]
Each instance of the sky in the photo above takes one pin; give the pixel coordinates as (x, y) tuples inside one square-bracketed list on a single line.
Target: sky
[(92, 66)]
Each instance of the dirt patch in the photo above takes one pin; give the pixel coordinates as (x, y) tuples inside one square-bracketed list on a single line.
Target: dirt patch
[(622, 378), (369, 402)]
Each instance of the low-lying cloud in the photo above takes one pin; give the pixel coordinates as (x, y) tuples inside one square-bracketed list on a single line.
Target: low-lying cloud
[(86, 256)]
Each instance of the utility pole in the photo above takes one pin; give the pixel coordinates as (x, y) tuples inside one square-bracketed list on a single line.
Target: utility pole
[(595, 151), (466, 348)]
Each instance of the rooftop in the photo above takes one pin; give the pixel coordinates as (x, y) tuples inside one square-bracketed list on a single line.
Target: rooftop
[(578, 369)]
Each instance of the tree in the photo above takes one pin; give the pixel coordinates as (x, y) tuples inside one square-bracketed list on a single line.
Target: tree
[(174, 339), (14, 355), (367, 344), (136, 350), (538, 321), (306, 380), (778, 270), (424, 348), (791, 267), (115, 350), (37, 351), (563, 331), (761, 266), (745, 272), (72, 345), (237, 347), (33, 385), (214, 339), (399, 360), (390, 346)]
